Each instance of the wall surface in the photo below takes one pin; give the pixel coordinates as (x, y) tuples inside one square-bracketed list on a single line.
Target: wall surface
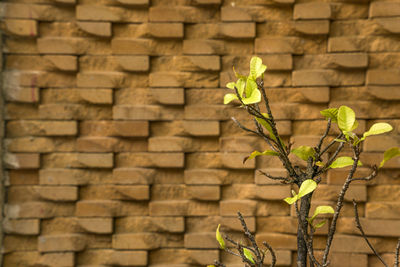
[(120, 152)]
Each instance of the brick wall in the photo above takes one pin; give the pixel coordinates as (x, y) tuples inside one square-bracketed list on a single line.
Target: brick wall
[(121, 153)]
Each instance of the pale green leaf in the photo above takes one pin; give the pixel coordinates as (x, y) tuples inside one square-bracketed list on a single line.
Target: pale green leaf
[(378, 128), (231, 85), (256, 67), (320, 224), (342, 162), (319, 164), (229, 97), (304, 152), (389, 154), (291, 200), (239, 76), (248, 255), (255, 97), (322, 210), (330, 113), (258, 153), (210, 265), (340, 140), (307, 187), (219, 238), (355, 125), (346, 118), (240, 85), (251, 86)]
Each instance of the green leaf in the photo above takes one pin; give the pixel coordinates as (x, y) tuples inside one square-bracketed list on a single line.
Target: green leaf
[(306, 187), (248, 255), (330, 113), (240, 85), (304, 152), (255, 97), (378, 128), (219, 238), (320, 224), (210, 265), (342, 162), (291, 200), (229, 97), (231, 85), (258, 153), (355, 125), (319, 164), (256, 67), (239, 76), (251, 86), (340, 140), (346, 118), (389, 154), (322, 210)]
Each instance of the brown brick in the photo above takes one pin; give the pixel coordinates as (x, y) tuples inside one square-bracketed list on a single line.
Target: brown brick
[(19, 27), (110, 13), (272, 192), (203, 47), (148, 112), (390, 24), (169, 96), (277, 224), (346, 44), (160, 160), (128, 258), (22, 161), (278, 241), (62, 177), (22, 94), (210, 193), (235, 161), (96, 144), (384, 9), (277, 45), (346, 243), (382, 210), (312, 11), (168, 208), (238, 30), (63, 63), (21, 227), (58, 193), (60, 45), (150, 224), (278, 62), (101, 79), (202, 128), (312, 27), (186, 14), (231, 207), (64, 259), (102, 29), (205, 112), (200, 240), (166, 30), (169, 144), (29, 144), (134, 2), (262, 179), (42, 128), (133, 63), (115, 128), (61, 243), (137, 241), (133, 176), (384, 92), (205, 176), (125, 46), (349, 60), (97, 208), (96, 225), (383, 77), (79, 160), (371, 227)]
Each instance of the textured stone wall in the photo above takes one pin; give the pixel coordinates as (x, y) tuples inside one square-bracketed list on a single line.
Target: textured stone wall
[(121, 153)]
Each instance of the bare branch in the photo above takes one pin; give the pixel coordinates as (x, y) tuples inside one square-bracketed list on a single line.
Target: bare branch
[(273, 256), (278, 178), (396, 260), (219, 264), (339, 204), (369, 177), (330, 145), (358, 224), (321, 140), (331, 159)]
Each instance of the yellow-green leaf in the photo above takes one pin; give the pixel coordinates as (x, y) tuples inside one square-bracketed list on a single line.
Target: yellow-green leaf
[(255, 97), (304, 152), (330, 113), (231, 85), (378, 128), (239, 76), (307, 187), (229, 97), (248, 255), (251, 86), (256, 67), (320, 224), (389, 154), (342, 162), (258, 153), (291, 200), (322, 210), (346, 118), (219, 238)]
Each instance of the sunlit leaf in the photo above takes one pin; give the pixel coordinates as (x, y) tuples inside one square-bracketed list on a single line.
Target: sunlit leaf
[(320, 224), (346, 118), (258, 153), (389, 154), (355, 125), (340, 140), (322, 210), (219, 238), (307, 187), (210, 265), (251, 86), (256, 67), (304, 152), (248, 255), (319, 164), (239, 76), (330, 113), (240, 85), (231, 85), (291, 200), (342, 162), (378, 128), (229, 97), (255, 97)]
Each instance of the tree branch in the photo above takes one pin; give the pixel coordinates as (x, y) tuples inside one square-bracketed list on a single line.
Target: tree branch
[(277, 178), (321, 140), (358, 224), (396, 260)]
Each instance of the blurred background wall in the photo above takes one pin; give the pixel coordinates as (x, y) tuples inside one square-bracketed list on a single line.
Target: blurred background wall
[(118, 150)]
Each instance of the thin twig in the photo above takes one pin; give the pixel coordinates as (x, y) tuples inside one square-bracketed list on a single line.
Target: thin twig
[(331, 159), (273, 256), (321, 140), (278, 178), (219, 264), (396, 260), (330, 145), (358, 224), (369, 177), (339, 205)]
